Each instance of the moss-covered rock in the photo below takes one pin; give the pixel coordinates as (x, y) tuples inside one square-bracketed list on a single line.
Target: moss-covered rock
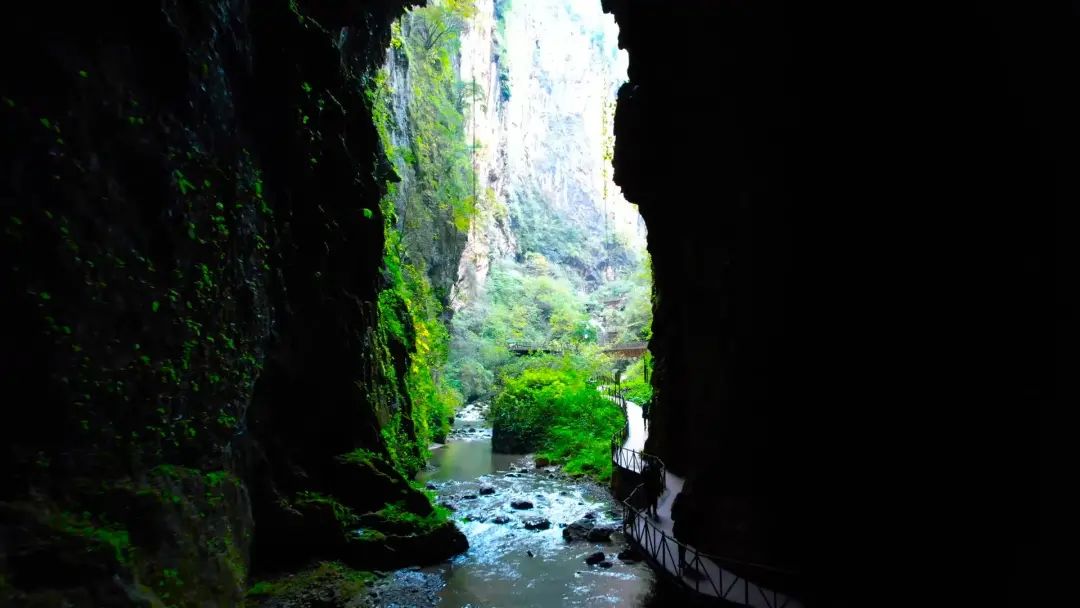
[(326, 584), (191, 292)]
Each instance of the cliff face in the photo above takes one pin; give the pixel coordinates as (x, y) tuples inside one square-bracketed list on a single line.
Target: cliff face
[(490, 235), (546, 72), (191, 248), (853, 257)]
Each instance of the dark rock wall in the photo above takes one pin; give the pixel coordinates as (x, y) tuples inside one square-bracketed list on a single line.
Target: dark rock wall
[(188, 279), (852, 221)]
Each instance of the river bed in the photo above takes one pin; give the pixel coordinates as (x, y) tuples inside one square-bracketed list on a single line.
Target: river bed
[(508, 564)]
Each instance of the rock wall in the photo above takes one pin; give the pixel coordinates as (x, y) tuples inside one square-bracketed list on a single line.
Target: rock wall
[(545, 73), (851, 217), (190, 255), (490, 236)]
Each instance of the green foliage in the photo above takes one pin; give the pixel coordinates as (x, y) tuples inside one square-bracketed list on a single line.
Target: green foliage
[(532, 304), (552, 407), (436, 200), (576, 243), (410, 314), (396, 513), (435, 206), (624, 306), (635, 387)]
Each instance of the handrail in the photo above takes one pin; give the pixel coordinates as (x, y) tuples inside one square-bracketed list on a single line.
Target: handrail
[(658, 544), (717, 558), (727, 585)]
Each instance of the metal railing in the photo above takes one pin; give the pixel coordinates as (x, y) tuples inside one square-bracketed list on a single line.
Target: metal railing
[(699, 571), (633, 460)]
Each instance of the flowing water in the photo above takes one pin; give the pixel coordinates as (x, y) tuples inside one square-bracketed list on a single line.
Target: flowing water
[(508, 564)]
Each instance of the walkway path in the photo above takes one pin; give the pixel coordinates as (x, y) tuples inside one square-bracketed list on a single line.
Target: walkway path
[(657, 538)]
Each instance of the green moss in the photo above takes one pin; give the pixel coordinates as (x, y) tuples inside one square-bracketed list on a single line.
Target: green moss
[(173, 471), (345, 580), (343, 514), (109, 535), (361, 456), (396, 513), (215, 478)]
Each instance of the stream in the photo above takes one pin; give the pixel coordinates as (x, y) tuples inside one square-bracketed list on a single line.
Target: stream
[(509, 564)]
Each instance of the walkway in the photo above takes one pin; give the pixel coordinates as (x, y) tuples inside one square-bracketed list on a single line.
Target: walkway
[(657, 539)]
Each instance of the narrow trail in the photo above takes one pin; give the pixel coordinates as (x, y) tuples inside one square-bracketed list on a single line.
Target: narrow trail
[(657, 537)]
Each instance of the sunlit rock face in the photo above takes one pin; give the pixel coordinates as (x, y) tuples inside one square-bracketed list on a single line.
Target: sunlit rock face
[(852, 242), (546, 73), (490, 235)]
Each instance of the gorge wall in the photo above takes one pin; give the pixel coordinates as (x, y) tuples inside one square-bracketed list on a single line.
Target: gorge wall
[(853, 254), (545, 75), (194, 376)]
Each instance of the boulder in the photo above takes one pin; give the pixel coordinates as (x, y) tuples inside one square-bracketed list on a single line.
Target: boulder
[(537, 524), (595, 558), (605, 564), (521, 504), (579, 530), (501, 519), (600, 534), (487, 491), (629, 555)]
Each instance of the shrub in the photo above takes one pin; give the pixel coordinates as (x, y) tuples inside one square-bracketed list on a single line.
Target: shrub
[(551, 407)]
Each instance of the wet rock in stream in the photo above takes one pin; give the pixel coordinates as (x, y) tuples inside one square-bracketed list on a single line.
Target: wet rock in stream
[(537, 524), (629, 555), (600, 534), (515, 517), (579, 530)]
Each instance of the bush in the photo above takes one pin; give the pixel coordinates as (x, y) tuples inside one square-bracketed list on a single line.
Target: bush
[(552, 408), (634, 386)]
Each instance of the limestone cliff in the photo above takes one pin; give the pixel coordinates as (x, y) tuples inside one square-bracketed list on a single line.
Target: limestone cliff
[(546, 73)]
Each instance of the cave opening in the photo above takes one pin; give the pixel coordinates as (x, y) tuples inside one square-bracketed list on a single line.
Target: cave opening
[(254, 256)]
